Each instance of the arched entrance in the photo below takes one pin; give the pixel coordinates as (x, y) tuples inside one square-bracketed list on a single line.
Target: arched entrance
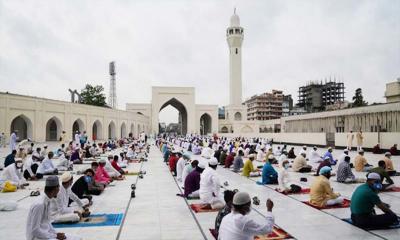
[(132, 129), (181, 126), (23, 127), (238, 116), (111, 130), (205, 124), (224, 129), (123, 130), (53, 129), (97, 130), (77, 126)]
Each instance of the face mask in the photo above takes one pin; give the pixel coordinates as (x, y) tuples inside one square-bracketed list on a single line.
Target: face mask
[(377, 186), (88, 179), (286, 166)]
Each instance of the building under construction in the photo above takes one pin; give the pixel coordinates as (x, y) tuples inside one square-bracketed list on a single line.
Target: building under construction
[(315, 96)]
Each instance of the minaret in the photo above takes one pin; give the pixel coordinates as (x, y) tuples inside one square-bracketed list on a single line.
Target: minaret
[(112, 100), (234, 36)]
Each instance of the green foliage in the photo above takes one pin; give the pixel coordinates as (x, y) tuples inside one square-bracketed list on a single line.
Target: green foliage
[(93, 95), (358, 99)]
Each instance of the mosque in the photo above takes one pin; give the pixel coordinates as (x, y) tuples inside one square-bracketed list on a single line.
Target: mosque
[(44, 119)]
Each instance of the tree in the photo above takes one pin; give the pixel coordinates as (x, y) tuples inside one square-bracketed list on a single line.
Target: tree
[(93, 95), (358, 99)]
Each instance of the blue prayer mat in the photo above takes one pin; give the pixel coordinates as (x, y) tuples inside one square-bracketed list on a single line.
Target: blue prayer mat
[(348, 220), (95, 220)]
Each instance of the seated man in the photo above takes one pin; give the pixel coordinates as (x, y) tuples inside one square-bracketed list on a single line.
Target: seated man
[(12, 174), (10, 159), (261, 154), (188, 169), (364, 199), (38, 224), (86, 185), (36, 155), (210, 186), (192, 182), (283, 178), (300, 164), (122, 160), (344, 173), (389, 164), (237, 225), (101, 174), (360, 163), (377, 149), (384, 175), (228, 197), (114, 164), (291, 153), (111, 171), (29, 169), (269, 175), (344, 155), (394, 151), (321, 193), (64, 163), (180, 166), (326, 162), (229, 160), (46, 167), (61, 212), (21, 154), (248, 168), (315, 157), (76, 156), (269, 153), (173, 159), (329, 155), (282, 157), (238, 162), (222, 157)]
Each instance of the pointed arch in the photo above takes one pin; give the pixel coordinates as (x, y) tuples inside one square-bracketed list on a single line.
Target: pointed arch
[(246, 129), (111, 130), (97, 130), (205, 124), (53, 129), (133, 129), (23, 127), (224, 129), (77, 125), (123, 130), (178, 105)]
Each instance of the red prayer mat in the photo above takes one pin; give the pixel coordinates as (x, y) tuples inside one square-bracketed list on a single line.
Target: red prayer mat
[(197, 208), (303, 191), (134, 161), (393, 189), (345, 204), (277, 234)]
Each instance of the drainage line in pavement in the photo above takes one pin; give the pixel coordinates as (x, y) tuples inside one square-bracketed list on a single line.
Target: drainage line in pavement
[(127, 206)]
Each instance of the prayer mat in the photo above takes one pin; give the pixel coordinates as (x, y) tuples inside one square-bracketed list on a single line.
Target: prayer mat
[(348, 220), (132, 173), (188, 198), (134, 161), (277, 234), (393, 189), (303, 191), (345, 204), (197, 208), (95, 220)]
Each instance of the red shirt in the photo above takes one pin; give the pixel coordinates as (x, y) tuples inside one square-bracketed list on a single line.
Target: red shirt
[(115, 165), (101, 175), (172, 162), (229, 160)]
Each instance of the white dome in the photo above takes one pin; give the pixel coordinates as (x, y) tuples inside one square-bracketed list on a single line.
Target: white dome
[(235, 21)]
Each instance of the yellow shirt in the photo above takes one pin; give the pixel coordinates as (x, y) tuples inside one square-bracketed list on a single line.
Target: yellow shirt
[(389, 164), (247, 168), (321, 191), (359, 163), (298, 163)]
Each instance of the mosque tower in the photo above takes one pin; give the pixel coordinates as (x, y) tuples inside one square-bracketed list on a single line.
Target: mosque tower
[(234, 37)]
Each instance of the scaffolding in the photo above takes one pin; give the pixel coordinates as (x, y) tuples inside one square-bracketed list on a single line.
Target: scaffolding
[(316, 95)]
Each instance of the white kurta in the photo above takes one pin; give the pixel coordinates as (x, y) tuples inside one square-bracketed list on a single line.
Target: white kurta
[(236, 226), (186, 170), (46, 167), (315, 157), (13, 175), (13, 141), (111, 170), (210, 187), (283, 179), (180, 165)]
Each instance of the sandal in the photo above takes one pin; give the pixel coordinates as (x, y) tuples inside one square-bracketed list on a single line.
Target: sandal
[(35, 193)]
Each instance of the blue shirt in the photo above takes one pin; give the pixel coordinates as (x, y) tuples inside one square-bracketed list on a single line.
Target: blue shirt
[(10, 159), (268, 173), (329, 154)]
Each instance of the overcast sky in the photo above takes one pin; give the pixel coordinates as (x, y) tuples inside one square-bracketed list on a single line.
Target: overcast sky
[(47, 47)]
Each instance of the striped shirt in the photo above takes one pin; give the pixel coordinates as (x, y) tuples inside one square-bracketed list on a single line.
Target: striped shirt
[(344, 172)]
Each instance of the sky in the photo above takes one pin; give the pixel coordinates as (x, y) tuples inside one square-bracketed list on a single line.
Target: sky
[(47, 47)]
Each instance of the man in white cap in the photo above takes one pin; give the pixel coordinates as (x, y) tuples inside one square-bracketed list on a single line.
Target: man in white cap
[(321, 193), (363, 201), (315, 157), (238, 226), (303, 150), (210, 187), (180, 165), (261, 154), (192, 181), (44, 152), (350, 137), (38, 224), (47, 167), (344, 155), (12, 173), (63, 213)]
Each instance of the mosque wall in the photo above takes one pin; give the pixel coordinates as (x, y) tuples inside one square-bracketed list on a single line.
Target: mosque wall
[(44, 119)]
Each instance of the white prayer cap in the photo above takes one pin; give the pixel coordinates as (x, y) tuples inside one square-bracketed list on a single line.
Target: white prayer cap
[(388, 154), (271, 157), (374, 176), (329, 148), (252, 155), (304, 146), (52, 181), (45, 146), (346, 150), (213, 161), (65, 177), (361, 150), (102, 160), (327, 158), (201, 165), (241, 198)]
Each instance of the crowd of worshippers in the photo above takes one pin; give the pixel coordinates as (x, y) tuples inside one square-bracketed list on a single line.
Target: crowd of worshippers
[(72, 198), (199, 178)]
